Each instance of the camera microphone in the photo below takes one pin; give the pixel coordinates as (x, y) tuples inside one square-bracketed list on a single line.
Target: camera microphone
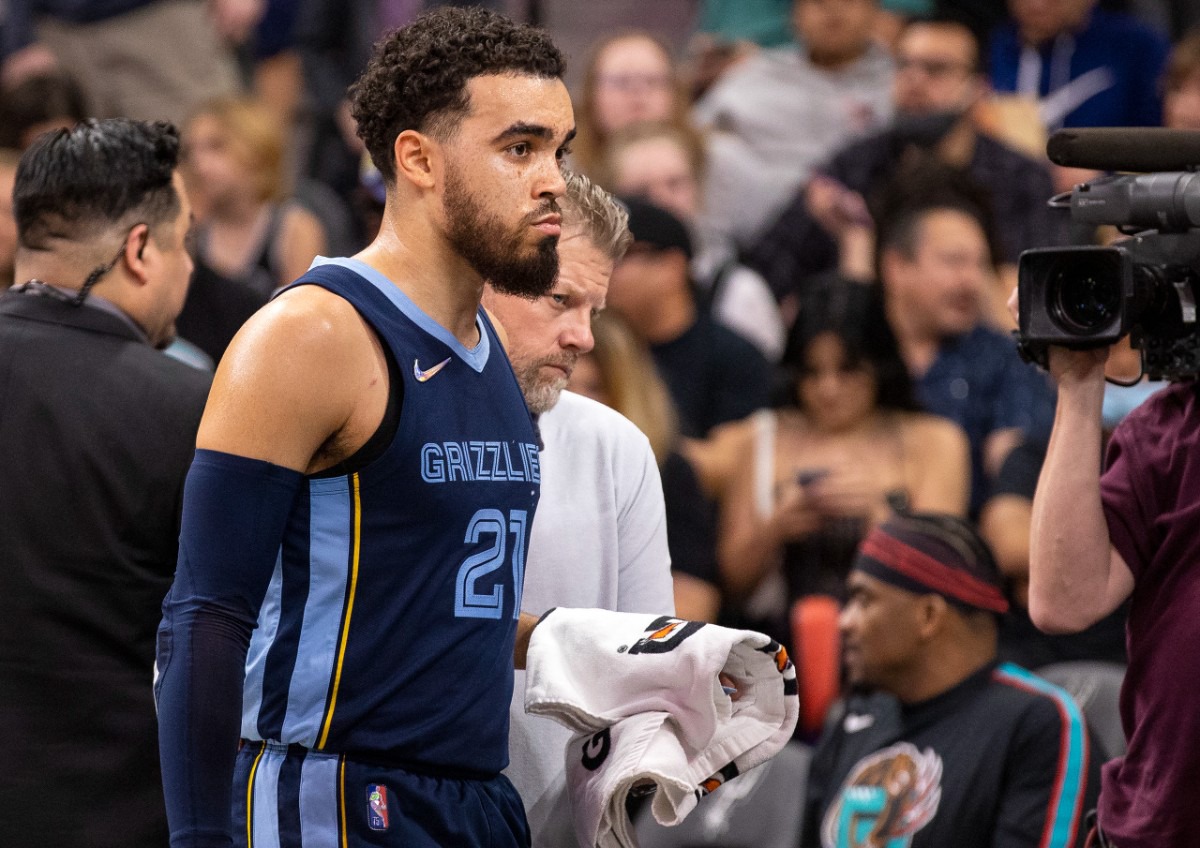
[(1139, 150)]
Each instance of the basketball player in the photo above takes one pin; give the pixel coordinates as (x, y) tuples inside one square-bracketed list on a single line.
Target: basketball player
[(357, 514)]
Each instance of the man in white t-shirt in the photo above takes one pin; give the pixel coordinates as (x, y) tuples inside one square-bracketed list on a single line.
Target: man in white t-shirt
[(600, 536)]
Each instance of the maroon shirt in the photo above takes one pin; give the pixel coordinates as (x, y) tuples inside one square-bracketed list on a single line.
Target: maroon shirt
[(1151, 496)]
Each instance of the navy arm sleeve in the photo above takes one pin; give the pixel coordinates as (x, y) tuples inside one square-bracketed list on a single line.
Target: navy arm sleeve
[(234, 514)]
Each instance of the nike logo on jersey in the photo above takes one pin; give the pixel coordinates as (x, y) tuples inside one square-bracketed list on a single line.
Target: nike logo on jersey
[(422, 376), (853, 723)]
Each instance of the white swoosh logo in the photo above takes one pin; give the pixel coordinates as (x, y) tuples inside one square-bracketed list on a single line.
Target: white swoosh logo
[(422, 376), (854, 723)]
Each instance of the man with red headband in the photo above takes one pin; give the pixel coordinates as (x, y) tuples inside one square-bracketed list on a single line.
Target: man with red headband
[(940, 744)]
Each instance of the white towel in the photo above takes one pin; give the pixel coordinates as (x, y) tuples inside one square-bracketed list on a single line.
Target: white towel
[(643, 694)]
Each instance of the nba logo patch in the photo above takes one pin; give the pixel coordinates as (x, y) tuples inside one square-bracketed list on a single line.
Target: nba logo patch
[(377, 811)]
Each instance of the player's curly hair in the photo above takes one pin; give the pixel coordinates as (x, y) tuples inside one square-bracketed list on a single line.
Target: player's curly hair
[(417, 78)]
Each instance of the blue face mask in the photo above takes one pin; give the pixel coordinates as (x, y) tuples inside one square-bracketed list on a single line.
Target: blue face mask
[(1119, 401)]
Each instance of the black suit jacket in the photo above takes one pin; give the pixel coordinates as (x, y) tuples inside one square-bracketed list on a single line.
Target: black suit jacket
[(97, 430)]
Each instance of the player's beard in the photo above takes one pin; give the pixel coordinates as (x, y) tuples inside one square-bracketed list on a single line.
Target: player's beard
[(497, 253)]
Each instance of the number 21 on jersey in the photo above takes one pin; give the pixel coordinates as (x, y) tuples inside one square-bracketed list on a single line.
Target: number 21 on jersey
[(469, 602)]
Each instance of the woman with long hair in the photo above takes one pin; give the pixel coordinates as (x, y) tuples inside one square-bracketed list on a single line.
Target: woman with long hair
[(631, 77), (849, 446)]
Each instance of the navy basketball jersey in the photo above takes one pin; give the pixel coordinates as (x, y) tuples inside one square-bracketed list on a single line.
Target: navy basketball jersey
[(387, 629)]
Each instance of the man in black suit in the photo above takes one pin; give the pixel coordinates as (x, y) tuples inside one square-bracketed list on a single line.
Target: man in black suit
[(97, 428)]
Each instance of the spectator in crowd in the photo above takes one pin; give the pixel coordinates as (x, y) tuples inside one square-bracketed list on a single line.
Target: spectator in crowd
[(8, 223), (619, 372), (251, 236), (631, 77), (937, 90), (148, 59), (714, 375), (39, 103), (664, 164), (729, 31), (96, 432), (935, 265), (1005, 524), (1062, 54), (600, 484), (575, 26), (248, 227), (781, 112), (939, 744), (810, 478), (1181, 86)]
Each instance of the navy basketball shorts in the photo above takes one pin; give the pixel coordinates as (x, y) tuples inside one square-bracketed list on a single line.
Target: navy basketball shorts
[(291, 797)]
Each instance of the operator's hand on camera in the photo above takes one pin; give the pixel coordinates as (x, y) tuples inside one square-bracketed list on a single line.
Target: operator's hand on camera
[(1071, 368)]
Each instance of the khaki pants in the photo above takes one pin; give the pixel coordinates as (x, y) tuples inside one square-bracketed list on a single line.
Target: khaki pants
[(155, 63)]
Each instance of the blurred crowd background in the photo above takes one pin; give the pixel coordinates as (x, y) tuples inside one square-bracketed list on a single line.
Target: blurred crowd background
[(828, 200)]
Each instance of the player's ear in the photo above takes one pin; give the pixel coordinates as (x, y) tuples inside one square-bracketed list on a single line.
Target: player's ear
[(931, 615), (418, 158)]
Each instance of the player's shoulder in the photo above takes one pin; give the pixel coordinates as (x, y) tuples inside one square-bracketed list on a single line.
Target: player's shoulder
[(302, 320)]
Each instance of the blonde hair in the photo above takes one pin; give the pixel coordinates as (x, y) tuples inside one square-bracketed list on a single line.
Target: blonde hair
[(256, 140), (590, 142), (632, 383), (683, 136), (603, 220)]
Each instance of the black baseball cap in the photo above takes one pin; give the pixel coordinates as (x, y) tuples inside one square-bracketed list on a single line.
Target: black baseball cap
[(654, 226)]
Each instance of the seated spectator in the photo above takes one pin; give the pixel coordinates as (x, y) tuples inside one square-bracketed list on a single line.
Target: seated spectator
[(810, 478), (8, 223), (619, 373), (714, 375), (937, 91), (47, 101), (783, 111), (1181, 89), (664, 164), (146, 59), (935, 266), (939, 744), (250, 238), (1004, 523), (1064, 55), (630, 77)]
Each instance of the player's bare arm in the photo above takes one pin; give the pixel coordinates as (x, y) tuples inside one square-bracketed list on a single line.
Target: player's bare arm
[(303, 385)]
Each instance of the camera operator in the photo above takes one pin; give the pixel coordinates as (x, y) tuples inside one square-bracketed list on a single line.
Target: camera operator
[(1098, 538)]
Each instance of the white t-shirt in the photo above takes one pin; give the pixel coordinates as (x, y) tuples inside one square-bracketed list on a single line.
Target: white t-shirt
[(599, 540)]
